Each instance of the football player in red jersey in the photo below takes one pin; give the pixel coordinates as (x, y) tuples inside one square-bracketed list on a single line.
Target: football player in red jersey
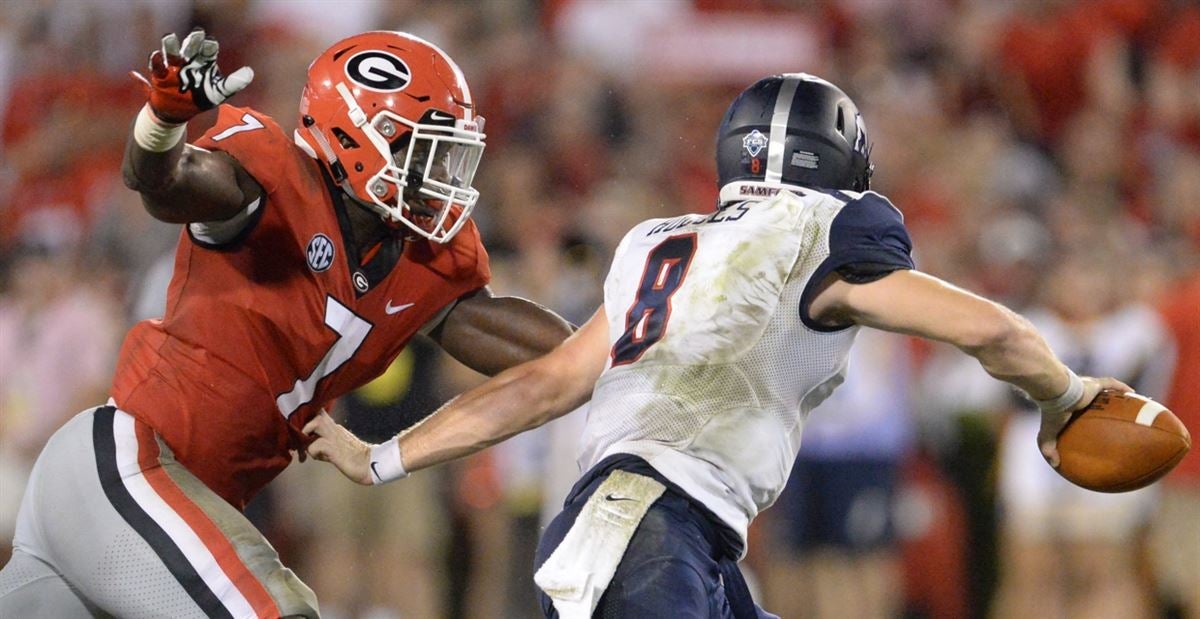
[(305, 266)]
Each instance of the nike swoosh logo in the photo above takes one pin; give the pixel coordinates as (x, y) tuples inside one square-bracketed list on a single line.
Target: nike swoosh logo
[(378, 477), (396, 309), (434, 115), (613, 497)]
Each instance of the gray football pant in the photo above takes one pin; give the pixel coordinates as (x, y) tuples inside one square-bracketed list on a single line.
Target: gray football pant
[(111, 524)]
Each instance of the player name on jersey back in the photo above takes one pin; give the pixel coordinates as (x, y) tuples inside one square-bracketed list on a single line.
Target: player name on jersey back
[(729, 214)]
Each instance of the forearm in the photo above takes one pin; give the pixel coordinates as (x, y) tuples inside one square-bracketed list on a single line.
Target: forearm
[(1007, 346), (490, 334), (180, 183), (1017, 354), (152, 152), (517, 400)]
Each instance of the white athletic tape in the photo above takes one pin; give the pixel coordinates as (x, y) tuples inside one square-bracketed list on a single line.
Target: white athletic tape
[(194, 550), (1064, 402), (155, 135)]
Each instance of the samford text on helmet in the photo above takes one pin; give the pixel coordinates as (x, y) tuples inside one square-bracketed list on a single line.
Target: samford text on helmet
[(793, 129), (391, 116)]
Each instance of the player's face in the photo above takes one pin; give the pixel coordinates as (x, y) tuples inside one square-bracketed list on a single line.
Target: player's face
[(424, 181), (412, 190), (445, 163)]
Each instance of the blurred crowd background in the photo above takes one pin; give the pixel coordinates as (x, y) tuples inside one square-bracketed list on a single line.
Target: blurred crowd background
[(1044, 152)]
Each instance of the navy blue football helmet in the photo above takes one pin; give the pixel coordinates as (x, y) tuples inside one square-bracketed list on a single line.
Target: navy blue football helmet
[(793, 129)]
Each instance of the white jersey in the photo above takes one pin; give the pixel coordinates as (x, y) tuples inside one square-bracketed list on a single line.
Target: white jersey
[(714, 364)]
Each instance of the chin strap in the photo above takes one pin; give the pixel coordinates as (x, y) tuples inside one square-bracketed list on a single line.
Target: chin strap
[(303, 144), (331, 158), (359, 118)]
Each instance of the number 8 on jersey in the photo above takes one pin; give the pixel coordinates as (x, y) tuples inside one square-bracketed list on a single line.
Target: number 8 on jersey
[(646, 321)]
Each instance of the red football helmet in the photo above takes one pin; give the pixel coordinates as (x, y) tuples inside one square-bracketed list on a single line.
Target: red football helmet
[(392, 117)]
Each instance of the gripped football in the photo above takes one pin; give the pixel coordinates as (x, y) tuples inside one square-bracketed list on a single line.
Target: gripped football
[(1121, 442)]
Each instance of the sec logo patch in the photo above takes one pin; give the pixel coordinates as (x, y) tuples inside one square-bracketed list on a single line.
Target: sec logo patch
[(320, 253)]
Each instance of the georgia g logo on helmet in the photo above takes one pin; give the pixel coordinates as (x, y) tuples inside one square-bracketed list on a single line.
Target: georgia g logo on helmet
[(378, 71)]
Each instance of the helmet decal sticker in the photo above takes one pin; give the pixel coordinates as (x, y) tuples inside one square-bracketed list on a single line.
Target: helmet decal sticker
[(379, 71), (805, 159), (754, 142)]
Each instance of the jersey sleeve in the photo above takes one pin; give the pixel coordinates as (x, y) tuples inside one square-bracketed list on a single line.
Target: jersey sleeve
[(258, 144), (867, 240), (253, 138)]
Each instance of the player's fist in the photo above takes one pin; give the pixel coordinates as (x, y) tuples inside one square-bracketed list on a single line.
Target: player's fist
[(185, 80)]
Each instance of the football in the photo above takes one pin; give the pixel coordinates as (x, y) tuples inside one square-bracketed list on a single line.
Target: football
[(1121, 442)]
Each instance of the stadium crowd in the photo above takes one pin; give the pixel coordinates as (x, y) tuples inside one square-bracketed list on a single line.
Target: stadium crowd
[(1043, 152)]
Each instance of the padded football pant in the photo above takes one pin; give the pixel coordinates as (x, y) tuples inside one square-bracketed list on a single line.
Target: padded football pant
[(676, 565), (111, 524)]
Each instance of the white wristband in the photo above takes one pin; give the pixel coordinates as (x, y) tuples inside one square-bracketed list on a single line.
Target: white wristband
[(386, 464), (155, 135), (1065, 401)]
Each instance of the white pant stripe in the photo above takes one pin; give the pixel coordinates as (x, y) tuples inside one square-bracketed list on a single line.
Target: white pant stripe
[(172, 523)]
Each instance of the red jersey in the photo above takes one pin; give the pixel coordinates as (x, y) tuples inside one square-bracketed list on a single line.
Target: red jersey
[(263, 331)]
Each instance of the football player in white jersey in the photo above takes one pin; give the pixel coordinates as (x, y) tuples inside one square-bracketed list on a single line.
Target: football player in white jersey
[(718, 334)]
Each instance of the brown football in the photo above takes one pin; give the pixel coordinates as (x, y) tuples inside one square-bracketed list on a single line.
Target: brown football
[(1121, 442)]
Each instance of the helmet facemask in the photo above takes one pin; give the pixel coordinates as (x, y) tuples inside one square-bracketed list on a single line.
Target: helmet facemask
[(425, 181)]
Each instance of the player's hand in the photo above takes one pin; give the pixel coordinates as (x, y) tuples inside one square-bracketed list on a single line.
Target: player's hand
[(185, 80), (339, 447), (1052, 425)]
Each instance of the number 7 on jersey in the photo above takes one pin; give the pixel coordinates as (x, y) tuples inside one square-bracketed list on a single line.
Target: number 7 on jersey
[(646, 321)]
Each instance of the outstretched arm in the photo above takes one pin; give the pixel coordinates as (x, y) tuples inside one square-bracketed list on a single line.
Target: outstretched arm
[(518, 399), (1006, 345), (180, 183), (187, 184)]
